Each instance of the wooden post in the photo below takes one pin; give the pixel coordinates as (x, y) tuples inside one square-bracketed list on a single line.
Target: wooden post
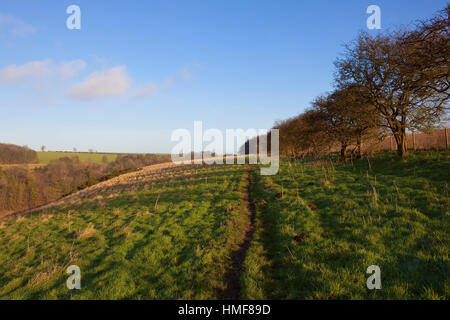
[(414, 141), (390, 142), (446, 139)]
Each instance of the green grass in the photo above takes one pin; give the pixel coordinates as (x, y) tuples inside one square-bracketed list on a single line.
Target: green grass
[(170, 238), (23, 165), (46, 157), (383, 211)]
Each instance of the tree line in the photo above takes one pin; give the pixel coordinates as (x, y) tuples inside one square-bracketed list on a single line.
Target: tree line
[(389, 83), (22, 188), (12, 154)]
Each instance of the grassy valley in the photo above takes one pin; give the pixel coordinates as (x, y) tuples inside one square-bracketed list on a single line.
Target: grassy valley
[(27, 185), (163, 234), (187, 232), (344, 197)]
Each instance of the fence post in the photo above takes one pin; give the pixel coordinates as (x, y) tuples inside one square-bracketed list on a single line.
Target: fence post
[(414, 141), (390, 142), (446, 139)]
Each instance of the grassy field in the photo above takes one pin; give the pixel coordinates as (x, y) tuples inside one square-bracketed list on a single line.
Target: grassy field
[(333, 221), (178, 233), (46, 157), (24, 165), (168, 237)]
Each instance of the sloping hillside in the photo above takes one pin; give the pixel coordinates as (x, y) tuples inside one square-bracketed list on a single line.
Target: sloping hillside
[(142, 176), (224, 231), (23, 188), (166, 231)]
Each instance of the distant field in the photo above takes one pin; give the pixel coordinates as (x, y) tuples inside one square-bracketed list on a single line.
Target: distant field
[(46, 157), (25, 165)]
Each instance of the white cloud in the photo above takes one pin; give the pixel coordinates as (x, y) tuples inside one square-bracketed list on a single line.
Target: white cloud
[(107, 83), (15, 27), (34, 69), (38, 70), (70, 69), (150, 89), (45, 75), (147, 90), (188, 69)]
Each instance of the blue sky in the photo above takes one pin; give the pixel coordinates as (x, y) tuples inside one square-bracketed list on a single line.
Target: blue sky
[(137, 70)]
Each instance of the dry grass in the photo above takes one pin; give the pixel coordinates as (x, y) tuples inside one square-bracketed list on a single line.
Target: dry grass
[(46, 217), (43, 276), (87, 232)]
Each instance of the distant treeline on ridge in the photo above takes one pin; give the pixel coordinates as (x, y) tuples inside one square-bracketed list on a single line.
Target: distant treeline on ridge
[(23, 188), (12, 154)]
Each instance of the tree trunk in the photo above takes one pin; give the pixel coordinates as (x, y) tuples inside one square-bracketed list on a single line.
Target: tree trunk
[(400, 139), (358, 147), (343, 151)]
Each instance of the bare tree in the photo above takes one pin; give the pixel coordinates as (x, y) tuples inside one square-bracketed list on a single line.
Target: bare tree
[(349, 117), (334, 121), (405, 73), (303, 135)]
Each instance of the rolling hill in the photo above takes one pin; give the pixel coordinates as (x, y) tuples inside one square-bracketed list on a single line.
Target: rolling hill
[(223, 231)]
